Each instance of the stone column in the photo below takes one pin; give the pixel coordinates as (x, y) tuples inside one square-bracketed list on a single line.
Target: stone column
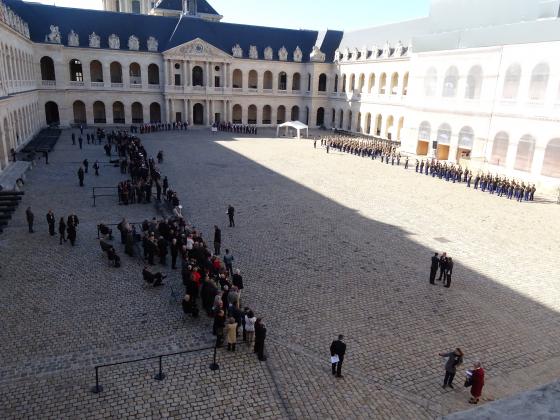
[(188, 81), (184, 75), (165, 80), (189, 111), (207, 111), (171, 111), (185, 110)]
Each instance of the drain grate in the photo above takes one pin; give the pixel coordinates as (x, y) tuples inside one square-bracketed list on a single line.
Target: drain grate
[(442, 240)]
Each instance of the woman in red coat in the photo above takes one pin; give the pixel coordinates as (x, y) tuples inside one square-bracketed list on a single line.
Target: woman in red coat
[(477, 383)]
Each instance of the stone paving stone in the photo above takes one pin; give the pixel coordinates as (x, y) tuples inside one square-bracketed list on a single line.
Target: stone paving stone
[(327, 244)]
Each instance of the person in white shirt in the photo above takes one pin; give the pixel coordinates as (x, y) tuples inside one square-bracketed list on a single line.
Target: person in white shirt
[(250, 320)]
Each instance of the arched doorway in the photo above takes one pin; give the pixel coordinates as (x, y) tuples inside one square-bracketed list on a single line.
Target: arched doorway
[(252, 114), (79, 109), (155, 113), (368, 123), (294, 116), (118, 113), (267, 114), (96, 71), (198, 113), (99, 113), (51, 113), (47, 69), (237, 114), (281, 115), (321, 116), (137, 113), (551, 162)]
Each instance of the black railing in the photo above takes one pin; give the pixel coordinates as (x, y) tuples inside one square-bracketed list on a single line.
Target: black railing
[(160, 376), (94, 195)]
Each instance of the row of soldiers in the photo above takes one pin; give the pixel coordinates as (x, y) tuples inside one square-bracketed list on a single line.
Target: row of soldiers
[(236, 128), (385, 149), (493, 183), (154, 127)]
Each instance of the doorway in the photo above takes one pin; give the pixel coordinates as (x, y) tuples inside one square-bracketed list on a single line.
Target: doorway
[(198, 114), (442, 152)]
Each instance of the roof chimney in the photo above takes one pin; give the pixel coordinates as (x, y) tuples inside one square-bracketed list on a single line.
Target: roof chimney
[(189, 7)]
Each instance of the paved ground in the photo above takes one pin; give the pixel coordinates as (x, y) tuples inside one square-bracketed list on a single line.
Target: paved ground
[(327, 244)]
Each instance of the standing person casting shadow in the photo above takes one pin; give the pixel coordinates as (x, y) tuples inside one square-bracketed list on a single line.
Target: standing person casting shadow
[(433, 268), (454, 360), (338, 349), (448, 272)]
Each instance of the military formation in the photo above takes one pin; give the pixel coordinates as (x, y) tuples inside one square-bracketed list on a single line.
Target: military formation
[(388, 152)]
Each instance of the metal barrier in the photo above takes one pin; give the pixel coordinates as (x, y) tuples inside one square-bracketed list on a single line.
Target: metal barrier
[(160, 376), (94, 196)]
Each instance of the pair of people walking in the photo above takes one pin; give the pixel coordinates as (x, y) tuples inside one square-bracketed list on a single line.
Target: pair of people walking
[(475, 376)]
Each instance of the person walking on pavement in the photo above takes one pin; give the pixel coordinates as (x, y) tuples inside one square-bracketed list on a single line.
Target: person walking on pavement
[(433, 268), (51, 222), (231, 214), (62, 230), (454, 360), (217, 240), (81, 175), (338, 349), (80, 141), (96, 168), (30, 217), (86, 165), (228, 262), (260, 336)]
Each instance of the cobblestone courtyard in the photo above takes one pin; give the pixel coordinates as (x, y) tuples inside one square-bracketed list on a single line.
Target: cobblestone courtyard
[(327, 243)]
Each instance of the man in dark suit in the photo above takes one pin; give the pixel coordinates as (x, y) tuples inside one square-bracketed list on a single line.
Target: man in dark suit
[(338, 348), (448, 272), (442, 265), (81, 175), (433, 268), (51, 222), (231, 213), (30, 217), (217, 240)]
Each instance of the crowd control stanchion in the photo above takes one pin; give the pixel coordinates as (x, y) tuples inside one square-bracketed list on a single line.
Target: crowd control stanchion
[(160, 375), (97, 388)]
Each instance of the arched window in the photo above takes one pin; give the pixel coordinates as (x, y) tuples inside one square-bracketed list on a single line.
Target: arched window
[(539, 82), (450, 82), (444, 134), (237, 114), (267, 80), (294, 115), (352, 82), (153, 74), (47, 68), (321, 116), (525, 153), (474, 83), (340, 119), (425, 131), (405, 84), (281, 115), (118, 113), (135, 74), (237, 82), (466, 138), (155, 112), (267, 115), (51, 115), (282, 80), (137, 113), (368, 123), (197, 76), (99, 113), (253, 79), (343, 83), (551, 163), (309, 82), (361, 82), (322, 82), (136, 6), (335, 87), (382, 83), (252, 114), (359, 123), (296, 82), (349, 121), (76, 73), (116, 72), (371, 82), (500, 149), (79, 110), (400, 126), (394, 83), (378, 122), (96, 71), (430, 82), (333, 117), (511, 82)]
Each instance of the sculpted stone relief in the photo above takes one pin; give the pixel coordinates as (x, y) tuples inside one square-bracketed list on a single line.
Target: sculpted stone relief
[(94, 40), (133, 43), (152, 44), (317, 56), (114, 42), (73, 39), (54, 35)]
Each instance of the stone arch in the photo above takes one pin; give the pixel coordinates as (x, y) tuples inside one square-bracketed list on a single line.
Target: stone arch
[(116, 72), (352, 82), (281, 115), (525, 153), (474, 83), (79, 112), (296, 82), (294, 114), (500, 149), (155, 112), (511, 81), (389, 127), (197, 77), (99, 115), (551, 162), (237, 114), (335, 87), (252, 114), (343, 83), (320, 121), (539, 82), (322, 82), (400, 126), (118, 112), (282, 80), (153, 74), (135, 74), (253, 79), (267, 80), (237, 79), (340, 119), (76, 71), (382, 83), (267, 115), (137, 111), (378, 123), (96, 71), (394, 83), (198, 113), (359, 122), (425, 131), (368, 123), (405, 84), (349, 121), (47, 68), (371, 82), (450, 82)]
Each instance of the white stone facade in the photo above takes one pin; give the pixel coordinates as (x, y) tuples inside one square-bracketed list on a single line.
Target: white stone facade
[(492, 108)]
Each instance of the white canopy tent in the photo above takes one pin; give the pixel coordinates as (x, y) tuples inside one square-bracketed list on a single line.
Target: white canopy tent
[(296, 125)]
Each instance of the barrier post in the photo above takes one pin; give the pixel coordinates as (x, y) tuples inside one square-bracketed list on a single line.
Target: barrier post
[(160, 375), (93, 196), (97, 388)]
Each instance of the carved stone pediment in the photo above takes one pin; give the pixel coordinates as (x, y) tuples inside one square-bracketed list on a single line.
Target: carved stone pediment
[(197, 48), (73, 39), (268, 53), (133, 43), (283, 54), (253, 52), (94, 40), (114, 42)]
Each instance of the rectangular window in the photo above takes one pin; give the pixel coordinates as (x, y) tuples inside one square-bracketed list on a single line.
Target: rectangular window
[(217, 81), (177, 80)]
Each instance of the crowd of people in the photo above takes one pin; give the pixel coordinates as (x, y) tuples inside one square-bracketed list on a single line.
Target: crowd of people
[(444, 264), (474, 377), (67, 229), (235, 128), (388, 152), (155, 127)]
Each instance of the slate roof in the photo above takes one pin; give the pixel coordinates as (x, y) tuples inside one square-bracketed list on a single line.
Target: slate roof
[(202, 6), (169, 31)]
